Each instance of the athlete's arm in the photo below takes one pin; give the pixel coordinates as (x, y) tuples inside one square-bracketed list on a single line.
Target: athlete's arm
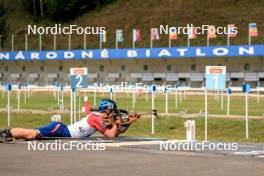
[(123, 127), (114, 131), (111, 133), (99, 125)]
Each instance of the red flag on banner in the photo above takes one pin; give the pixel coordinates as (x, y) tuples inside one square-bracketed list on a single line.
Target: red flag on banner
[(253, 30), (173, 34), (154, 34), (192, 32), (136, 35), (211, 33), (231, 31)]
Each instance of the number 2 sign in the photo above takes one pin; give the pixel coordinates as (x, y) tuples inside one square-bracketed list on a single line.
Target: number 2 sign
[(79, 78)]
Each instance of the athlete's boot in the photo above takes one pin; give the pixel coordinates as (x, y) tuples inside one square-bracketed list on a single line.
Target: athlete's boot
[(5, 136)]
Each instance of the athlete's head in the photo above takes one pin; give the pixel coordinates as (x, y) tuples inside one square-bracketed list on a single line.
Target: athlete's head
[(108, 106)]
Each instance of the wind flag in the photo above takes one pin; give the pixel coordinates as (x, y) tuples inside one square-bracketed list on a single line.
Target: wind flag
[(211, 33), (252, 31), (231, 32), (191, 34), (173, 34), (119, 36), (102, 38), (136, 36), (154, 35)]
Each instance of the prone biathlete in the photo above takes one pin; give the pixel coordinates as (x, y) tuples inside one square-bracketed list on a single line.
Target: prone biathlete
[(86, 127)]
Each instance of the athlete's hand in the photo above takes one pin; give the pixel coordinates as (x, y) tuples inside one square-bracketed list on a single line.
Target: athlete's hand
[(132, 117), (118, 121)]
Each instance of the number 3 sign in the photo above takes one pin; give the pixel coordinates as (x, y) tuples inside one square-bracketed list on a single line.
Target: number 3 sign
[(79, 78)]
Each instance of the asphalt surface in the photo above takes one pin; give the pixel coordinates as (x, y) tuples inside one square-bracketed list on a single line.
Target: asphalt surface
[(129, 156)]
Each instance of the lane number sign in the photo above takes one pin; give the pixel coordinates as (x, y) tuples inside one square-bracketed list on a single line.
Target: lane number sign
[(79, 78), (215, 77)]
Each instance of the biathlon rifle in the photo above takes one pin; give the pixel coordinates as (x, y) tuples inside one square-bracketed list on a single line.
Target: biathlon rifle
[(121, 114)]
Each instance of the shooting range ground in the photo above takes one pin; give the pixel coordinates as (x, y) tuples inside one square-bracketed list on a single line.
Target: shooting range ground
[(37, 111)]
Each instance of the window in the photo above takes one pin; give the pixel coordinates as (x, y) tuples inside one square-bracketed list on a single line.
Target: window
[(193, 67), (23, 68), (182, 79), (41, 68), (145, 67), (168, 67), (6, 68), (246, 67), (101, 68), (157, 79), (123, 68), (60, 68)]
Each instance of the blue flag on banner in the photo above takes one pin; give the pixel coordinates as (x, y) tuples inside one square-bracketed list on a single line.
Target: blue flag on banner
[(119, 35), (103, 36)]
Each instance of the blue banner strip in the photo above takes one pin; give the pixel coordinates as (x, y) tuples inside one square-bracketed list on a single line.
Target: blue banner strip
[(137, 53)]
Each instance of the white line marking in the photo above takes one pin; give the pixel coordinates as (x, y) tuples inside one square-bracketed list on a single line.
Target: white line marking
[(259, 152), (132, 143), (260, 156), (247, 146)]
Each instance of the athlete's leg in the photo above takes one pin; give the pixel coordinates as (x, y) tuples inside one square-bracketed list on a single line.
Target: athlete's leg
[(54, 129), (18, 133), (22, 133)]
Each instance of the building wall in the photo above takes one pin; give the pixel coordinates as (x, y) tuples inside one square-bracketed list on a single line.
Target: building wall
[(123, 67)]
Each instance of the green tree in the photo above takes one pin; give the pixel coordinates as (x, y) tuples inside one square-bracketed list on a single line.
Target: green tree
[(2, 17), (62, 10)]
